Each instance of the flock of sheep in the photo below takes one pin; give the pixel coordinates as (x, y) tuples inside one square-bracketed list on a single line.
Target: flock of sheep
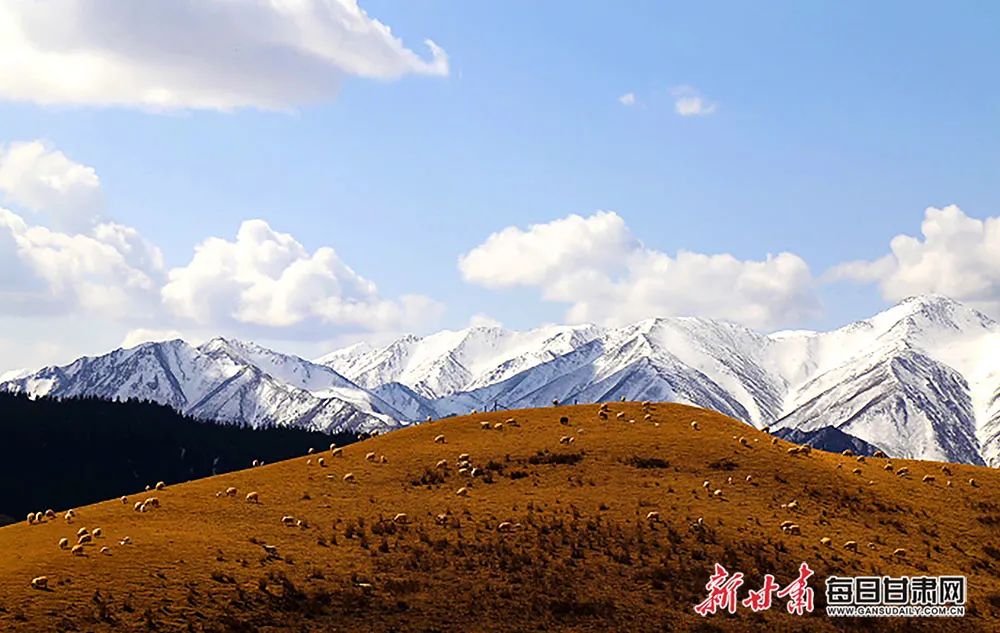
[(467, 469)]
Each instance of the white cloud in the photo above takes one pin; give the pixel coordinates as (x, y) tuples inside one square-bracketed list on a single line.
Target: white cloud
[(204, 54), (138, 336), (109, 271), (42, 179), (597, 267), (269, 280), (689, 102), (627, 99), (483, 320), (958, 257)]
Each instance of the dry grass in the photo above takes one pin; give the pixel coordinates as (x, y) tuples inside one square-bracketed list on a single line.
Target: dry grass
[(583, 558)]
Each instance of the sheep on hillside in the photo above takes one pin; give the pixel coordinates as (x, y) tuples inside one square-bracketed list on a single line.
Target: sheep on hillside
[(106, 550), (694, 424), (852, 546), (31, 518), (160, 485), (337, 452), (77, 550), (41, 582), (371, 456), (253, 497), (97, 533), (927, 479), (50, 514), (439, 439), (653, 517), (288, 521), (350, 478), (321, 462), (462, 492), (64, 543), (485, 426), (230, 491)]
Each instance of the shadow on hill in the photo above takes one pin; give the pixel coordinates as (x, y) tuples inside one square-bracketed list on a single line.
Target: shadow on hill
[(71, 452)]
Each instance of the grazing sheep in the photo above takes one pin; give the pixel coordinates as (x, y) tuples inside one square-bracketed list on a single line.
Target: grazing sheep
[(337, 452), (603, 415), (706, 484), (97, 533), (124, 500), (321, 462), (805, 449), (77, 550), (160, 485), (42, 582), (946, 470), (861, 459), (302, 524), (439, 439), (498, 426), (793, 504), (383, 460), (793, 450), (253, 497), (856, 471), (441, 519), (464, 457), (899, 552), (565, 439), (84, 538), (717, 493), (476, 472), (507, 526), (401, 518), (147, 487), (126, 540), (794, 529), (646, 404), (948, 483), (694, 424), (106, 550), (852, 546), (333, 447), (462, 492), (350, 478), (927, 479), (64, 543), (647, 417), (555, 403), (288, 521), (309, 462), (620, 415), (902, 472), (230, 491), (31, 518), (774, 441), (826, 541), (82, 531), (973, 483), (270, 550), (879, 454), (887, 468), (463, 470), (848, 453), (653, 517), (871, 545), (255, 463), (473, 412), (49, 514), (139, 506), (310, 451), (371, 456), (512, 422), (729, 480), (743, 442), (442, 464), (485, 426), (153, 502), (786, 524)]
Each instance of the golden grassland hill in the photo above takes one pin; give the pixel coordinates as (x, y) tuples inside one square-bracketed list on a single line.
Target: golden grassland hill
[(479, 524)]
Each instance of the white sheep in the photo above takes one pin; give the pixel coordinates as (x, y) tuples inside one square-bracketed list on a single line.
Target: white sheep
[(826, 541), (126, 540), (383, 459), (97, 533), (717, 493), (321, 462), (743, 441), (462, 492), (927, 479), (77, 550), (565, 439), (973, 483), (401, 518), (507, 526), (653, 517), (255, 463), (310, 451), (899, 552), (288, 521), (498, 426), (124, 500), (337, 452), (160, 485), (309, 462), (349, 478), (230, 491), (706, 484), (694, 424), (84, 538), (371, 456), (64, 543), (31, 518), (439, 439), (441, 464), (49, 514), (139, 507), (82, 531), (253, 497), (106, 550), (851, 545), (333, 447), (464, 457), (42, 582)]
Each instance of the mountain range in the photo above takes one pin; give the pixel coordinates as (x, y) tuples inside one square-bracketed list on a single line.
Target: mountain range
[(919, 380)]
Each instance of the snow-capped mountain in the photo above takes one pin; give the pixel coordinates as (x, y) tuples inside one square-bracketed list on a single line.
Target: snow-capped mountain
[(222, 380), (919, 380)]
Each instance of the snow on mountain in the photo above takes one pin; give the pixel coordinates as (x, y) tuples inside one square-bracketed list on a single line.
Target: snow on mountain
[(920, 380), (228, 381)]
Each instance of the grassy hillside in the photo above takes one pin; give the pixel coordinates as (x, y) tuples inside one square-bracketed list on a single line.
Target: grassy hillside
[(582, 557), (79, 451)]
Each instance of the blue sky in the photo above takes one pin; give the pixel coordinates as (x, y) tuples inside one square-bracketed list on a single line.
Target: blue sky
[(828, 129)]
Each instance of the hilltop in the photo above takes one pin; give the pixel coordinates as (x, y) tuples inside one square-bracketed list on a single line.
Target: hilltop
[(581, 553)]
